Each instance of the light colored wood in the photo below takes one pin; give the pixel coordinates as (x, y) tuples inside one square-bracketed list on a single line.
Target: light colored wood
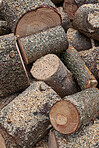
[(2, 142), (52, 141)]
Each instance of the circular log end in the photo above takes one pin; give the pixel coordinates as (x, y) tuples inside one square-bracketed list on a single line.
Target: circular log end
[(64, 117), (37, 20), (45, 67)]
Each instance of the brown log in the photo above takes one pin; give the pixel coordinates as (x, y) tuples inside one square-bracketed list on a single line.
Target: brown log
[(86, 20), (91, 59), (69, 114), (13, 75), (56, 2), (78, 68), (70, 7), (51, 70), (82, 2), (2, 142), (52, 141), (28, 17), (53, 40)]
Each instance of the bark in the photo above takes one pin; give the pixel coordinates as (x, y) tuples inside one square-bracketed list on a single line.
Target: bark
[(28, 17), (79, 70), (86, 20), (91, 59), (4, 29), (13, 76), (75, 110), (78, 40), (51, 70), (82, 2), (25, 119), (53, 40)]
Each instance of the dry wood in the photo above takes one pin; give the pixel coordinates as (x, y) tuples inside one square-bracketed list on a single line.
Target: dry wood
[(13, 75), (91, 59), (51, 70), (52, 141), (2, 142), (82, 2), (69, 114), (78, 68), (70, 7), (28, 17), (53, 40), (86, 20)]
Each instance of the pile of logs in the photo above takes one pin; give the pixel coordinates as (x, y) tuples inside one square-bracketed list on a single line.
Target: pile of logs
[(49, 69)]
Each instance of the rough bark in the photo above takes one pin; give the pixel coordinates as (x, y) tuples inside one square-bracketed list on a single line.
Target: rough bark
[(51, 70), (28, 17), (79, 70), (53, 40), (69, 114), (26, 117), (70, 7), (78, 40), (91, 59), (4, 29), (86, 20), (13, 76), (82, 2)]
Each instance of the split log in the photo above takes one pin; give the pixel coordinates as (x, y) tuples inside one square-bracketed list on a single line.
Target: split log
[(79, 70), (28, 17), (25, 119), (13, 75), (4, 29), (52, 141), (53, 40), (91, 59), (69, 114), (82, 2), (78, 40), (70, 7), (2, 142), (65, 18), (51, 70), (86, 20), (56, 2)]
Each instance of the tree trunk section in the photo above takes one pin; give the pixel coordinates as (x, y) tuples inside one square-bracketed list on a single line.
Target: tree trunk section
[(13, 75), (79, 70), (28, 17), (88, 24), (51, 70), (53, 40), (91, 59), (67, 115), (25, 119)]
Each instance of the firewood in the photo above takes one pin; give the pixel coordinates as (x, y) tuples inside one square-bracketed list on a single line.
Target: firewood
[(79, 70), (13, 75), (91, 59), (67, 115), (70, 7), (2, 142), (78, 40), (86, 20), (82, 2), (4, 29), (52, 71), (28, 17), (53, 40), (52, 141), (56, 2), (25, 119)]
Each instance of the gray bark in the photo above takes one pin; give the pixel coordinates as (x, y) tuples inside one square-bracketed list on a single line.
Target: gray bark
[(4, 29), (82, 2)]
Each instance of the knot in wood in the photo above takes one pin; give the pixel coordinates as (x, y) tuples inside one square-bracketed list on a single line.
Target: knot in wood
[(12, 54)]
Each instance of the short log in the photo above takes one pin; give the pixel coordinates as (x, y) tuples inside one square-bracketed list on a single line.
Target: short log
[(51, 70), (70, 7), (28, 17), (13, 75), (78, 40), (82, 2), (78, 68), (53, 40), (25, 119), (91, 59), (86, 20), (4, 29), (69, 114)]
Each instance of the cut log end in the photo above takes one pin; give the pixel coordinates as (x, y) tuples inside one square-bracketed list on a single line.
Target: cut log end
[(64, 117), (37, 20), (45, 67)]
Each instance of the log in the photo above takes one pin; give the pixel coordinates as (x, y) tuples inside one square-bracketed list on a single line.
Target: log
[(52, 141), (67, 115), (25, 119), (13, 75), (91, 59), (82, 2), (53, 40), (57, 2), (4, 29), (70, 7), (78, 68), (53, 72), (78, 40), (29, 17), (88, 24), (2, 142)]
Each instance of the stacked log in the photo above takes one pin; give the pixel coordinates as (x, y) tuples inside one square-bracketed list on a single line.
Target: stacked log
[(82, 2), (4, 29)]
